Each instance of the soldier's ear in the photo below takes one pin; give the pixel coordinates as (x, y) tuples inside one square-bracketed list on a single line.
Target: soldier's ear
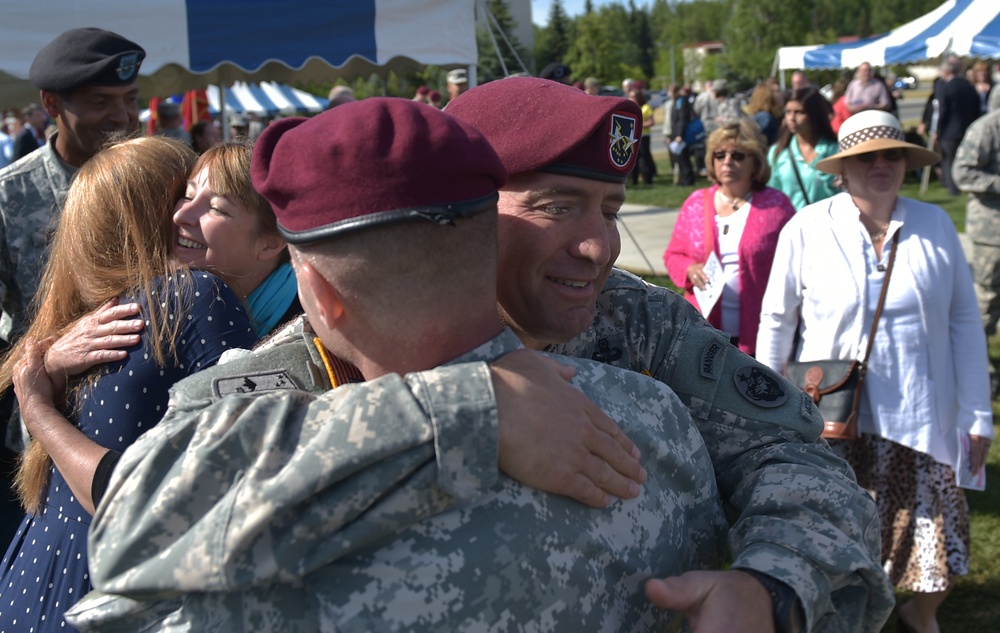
[(51, 103), (320, 299)]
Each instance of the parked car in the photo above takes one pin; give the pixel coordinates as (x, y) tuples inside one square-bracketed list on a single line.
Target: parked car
[(906, 83)]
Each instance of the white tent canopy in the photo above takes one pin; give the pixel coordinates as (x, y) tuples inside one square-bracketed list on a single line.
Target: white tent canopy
[(264, 99), (192, 43), (969, 28)]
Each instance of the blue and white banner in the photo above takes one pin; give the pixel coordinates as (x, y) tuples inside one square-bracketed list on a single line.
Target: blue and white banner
[(191, 43), (969, 28)]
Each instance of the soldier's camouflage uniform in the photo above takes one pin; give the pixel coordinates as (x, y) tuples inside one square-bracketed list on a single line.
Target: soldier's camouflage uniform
[(976, 171), (797, 513), (32, 193)]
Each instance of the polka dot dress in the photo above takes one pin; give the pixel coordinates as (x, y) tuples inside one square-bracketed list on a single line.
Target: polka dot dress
[(45, 567)]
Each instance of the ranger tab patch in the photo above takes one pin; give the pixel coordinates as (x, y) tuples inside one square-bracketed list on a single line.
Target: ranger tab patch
[(253, 383), (709, 356), (760, 386), (622, 138)]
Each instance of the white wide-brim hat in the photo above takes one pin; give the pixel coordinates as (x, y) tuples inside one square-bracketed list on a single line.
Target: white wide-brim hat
[(870, 131)]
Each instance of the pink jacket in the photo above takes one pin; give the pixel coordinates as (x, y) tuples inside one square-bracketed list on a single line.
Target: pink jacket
[(769, 211)]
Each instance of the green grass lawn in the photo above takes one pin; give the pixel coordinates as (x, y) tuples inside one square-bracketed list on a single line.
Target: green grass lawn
[(973, 606)]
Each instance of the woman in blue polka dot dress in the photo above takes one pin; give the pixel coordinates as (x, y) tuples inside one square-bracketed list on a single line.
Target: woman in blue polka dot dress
[(114, 240)]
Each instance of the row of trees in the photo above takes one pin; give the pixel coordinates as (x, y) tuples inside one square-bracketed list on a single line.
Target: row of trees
[(625, 40)]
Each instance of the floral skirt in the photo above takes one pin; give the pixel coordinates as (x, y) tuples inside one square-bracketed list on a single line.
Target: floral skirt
[(924, 514)]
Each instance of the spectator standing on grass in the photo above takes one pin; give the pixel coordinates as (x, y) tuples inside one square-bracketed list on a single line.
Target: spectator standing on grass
[(766, 112), (958, 107), (645, 167), (982, 81), (866, 91), (926, 389), (738, 219), (806, 138), (681, 115)]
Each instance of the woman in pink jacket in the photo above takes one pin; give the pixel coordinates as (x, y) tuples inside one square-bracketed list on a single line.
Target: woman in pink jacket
[(738, 219)]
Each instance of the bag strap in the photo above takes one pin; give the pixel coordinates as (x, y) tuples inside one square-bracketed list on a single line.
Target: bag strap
[(795, 169), (881, 298), (709, 220)]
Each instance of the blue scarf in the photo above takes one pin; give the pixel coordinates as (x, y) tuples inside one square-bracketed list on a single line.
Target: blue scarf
[(269, 302)]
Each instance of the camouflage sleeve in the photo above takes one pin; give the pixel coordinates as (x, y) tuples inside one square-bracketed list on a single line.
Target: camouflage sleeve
[(263, 488), (798, 514), (976, 168)]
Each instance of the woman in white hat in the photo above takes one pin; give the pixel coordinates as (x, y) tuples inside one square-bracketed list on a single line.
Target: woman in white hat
[(927, 387)]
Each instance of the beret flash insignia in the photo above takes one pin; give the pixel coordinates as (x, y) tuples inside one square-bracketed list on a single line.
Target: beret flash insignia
[(622, 139), (128, 66)]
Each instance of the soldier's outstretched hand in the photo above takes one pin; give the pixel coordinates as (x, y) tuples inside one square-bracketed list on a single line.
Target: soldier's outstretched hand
[(715, 601)]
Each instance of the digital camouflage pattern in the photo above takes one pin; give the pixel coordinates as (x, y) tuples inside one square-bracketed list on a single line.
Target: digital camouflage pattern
[(259, 490), (976, 171), (32, 193), (799, 514)]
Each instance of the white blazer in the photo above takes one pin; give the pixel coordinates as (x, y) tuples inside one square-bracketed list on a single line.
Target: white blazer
[(819, 273)]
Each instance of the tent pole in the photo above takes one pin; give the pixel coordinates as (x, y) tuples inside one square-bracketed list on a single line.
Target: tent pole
[(223, 112)]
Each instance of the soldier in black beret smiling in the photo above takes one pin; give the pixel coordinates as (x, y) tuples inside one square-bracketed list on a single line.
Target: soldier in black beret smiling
[(87, 81)]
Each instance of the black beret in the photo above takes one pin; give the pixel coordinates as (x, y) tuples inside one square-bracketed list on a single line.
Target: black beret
[(88, 56)]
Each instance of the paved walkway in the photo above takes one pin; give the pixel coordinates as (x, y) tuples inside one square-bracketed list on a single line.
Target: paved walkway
[(645, 232)]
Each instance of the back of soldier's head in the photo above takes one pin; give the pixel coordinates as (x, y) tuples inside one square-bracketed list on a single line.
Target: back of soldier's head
[(387, 196)]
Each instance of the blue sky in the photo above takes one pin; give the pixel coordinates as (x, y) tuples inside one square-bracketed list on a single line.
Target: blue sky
[(540, 8)]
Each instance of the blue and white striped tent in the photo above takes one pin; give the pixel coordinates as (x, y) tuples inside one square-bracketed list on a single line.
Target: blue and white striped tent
[(969, 28), (266, 99), (192, 43)]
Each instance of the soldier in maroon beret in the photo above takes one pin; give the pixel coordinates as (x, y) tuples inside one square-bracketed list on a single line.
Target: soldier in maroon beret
[(568, 154), (298, 499)]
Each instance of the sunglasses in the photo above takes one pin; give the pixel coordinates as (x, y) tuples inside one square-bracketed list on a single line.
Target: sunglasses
[(888, 155), (736, 156)]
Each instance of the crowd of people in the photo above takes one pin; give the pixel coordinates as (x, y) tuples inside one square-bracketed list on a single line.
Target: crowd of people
[(457, 413), (799, 274)]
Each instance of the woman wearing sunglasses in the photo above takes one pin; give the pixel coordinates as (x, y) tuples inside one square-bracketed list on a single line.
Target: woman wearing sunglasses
[(735, 224), (926, 391)]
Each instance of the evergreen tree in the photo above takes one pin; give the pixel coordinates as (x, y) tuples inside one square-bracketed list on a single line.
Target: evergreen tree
[(555, 40), (489, 66)]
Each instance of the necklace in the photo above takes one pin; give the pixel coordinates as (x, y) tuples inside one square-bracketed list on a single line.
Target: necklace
[(737, 202), (879, 233)]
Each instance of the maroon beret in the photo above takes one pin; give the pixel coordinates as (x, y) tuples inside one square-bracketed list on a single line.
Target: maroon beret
[(541, 125), (371, 162)]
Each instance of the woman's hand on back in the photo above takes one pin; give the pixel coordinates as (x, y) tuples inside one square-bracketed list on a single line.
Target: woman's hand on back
[(98, 337)]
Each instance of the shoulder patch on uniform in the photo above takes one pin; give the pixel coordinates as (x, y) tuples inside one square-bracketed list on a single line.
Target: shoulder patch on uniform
[(606, 353), (760, 386), (709, 368), (808, 408), (253, 383)]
